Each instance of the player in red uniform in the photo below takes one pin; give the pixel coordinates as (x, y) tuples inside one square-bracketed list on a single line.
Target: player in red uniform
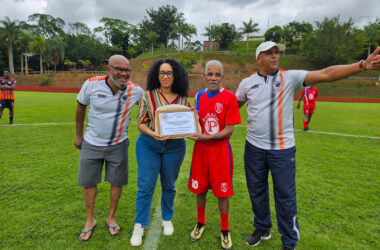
[(212, 163), (7, 98), (308, 94)]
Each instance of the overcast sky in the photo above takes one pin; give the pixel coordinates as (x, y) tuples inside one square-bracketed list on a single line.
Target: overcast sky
[(266, 13)]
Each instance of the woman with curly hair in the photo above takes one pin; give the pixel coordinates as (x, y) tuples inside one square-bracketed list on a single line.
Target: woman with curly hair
[(167, 83)]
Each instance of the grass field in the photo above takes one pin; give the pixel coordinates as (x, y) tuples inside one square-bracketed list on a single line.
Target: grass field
[(338, 184)]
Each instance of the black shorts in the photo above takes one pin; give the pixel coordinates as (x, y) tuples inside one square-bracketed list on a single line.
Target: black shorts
[(7, 104)]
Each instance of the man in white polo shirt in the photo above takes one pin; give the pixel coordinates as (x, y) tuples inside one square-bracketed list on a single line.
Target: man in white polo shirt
[(270, 141), (111, 99)]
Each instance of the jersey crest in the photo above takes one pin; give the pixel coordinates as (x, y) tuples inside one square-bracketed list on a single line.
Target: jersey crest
[(218, 108), (224, 187), (211, 122)]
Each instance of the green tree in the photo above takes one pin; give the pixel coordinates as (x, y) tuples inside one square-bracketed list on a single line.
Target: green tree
[(152, 36), (294, 32), (188, 32), (174, 35), (117, 32), (86, 47), (56, 50), (47, 25), (226, 33), (372, 31), (182, 30), (196, 46), (240, 62), (79, 29), (85, 63), (249, 28), (71, 64), (38, 45), (160, 21), (22, 43), (211, 33), (10, 32), (333, 42), (274, 34), (132, 52), (287, 34)]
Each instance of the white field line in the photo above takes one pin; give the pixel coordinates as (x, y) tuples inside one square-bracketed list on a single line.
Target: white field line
[(241, 126), (327, 133), (38, 124), (154, 232), (339, 134)]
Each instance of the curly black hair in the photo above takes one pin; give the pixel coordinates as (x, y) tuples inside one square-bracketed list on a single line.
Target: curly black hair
[(181, 79)]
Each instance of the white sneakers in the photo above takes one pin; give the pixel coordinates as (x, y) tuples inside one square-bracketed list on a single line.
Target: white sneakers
[(138, 232), (167, 227)]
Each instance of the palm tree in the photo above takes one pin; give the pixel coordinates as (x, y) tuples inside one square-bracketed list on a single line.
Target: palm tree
[(22, 43), (211, 32), (38, 45), (179, 28), (173, 34), (56, 48), (152, 36), (188, 32), (10, 32), (248, 28)]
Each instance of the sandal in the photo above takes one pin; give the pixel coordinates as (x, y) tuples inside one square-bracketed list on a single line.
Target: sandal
[(86, 231)]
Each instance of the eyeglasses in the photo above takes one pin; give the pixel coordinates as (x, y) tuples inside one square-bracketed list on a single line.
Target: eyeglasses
[(121, 70), (169, 74), (210, 74)]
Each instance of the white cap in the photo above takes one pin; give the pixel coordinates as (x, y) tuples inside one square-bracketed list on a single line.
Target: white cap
[(267, 46)]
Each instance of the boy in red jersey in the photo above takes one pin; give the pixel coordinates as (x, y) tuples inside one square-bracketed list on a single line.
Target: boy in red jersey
[(308, 94), (212, 163)]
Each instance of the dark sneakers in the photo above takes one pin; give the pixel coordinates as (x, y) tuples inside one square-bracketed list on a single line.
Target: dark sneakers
[(306, 129), (287, 248), (257, 236)]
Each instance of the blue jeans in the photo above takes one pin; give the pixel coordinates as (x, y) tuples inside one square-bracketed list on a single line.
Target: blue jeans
[(153, 158), (282, 165)]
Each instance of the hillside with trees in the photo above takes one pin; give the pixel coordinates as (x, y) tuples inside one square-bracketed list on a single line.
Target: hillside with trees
[(45, 43)]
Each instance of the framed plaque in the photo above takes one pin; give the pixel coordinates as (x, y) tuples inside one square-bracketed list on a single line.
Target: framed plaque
[(176, 121)]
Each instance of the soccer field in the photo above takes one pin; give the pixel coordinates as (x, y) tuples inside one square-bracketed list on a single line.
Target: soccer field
[(41, 206)]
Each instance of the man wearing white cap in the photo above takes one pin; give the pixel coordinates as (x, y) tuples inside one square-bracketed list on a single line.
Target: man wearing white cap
[(270, 141)]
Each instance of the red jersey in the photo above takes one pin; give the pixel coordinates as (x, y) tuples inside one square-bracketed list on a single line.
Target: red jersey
[(216, 110), (7, 93), (309, 96), (212, 161)]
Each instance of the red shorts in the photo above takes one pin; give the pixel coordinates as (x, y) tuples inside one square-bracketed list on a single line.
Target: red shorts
[(308, 109), (211, 168)]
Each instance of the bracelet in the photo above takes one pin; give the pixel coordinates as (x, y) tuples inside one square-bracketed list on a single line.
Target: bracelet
[(361, 65)]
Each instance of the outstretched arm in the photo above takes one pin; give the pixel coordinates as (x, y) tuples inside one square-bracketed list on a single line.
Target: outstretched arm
[(338, 72)]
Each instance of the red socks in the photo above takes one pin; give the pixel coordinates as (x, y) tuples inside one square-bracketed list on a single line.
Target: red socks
[(305, 124), (224, 222), (223, 218), (201, 214)]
